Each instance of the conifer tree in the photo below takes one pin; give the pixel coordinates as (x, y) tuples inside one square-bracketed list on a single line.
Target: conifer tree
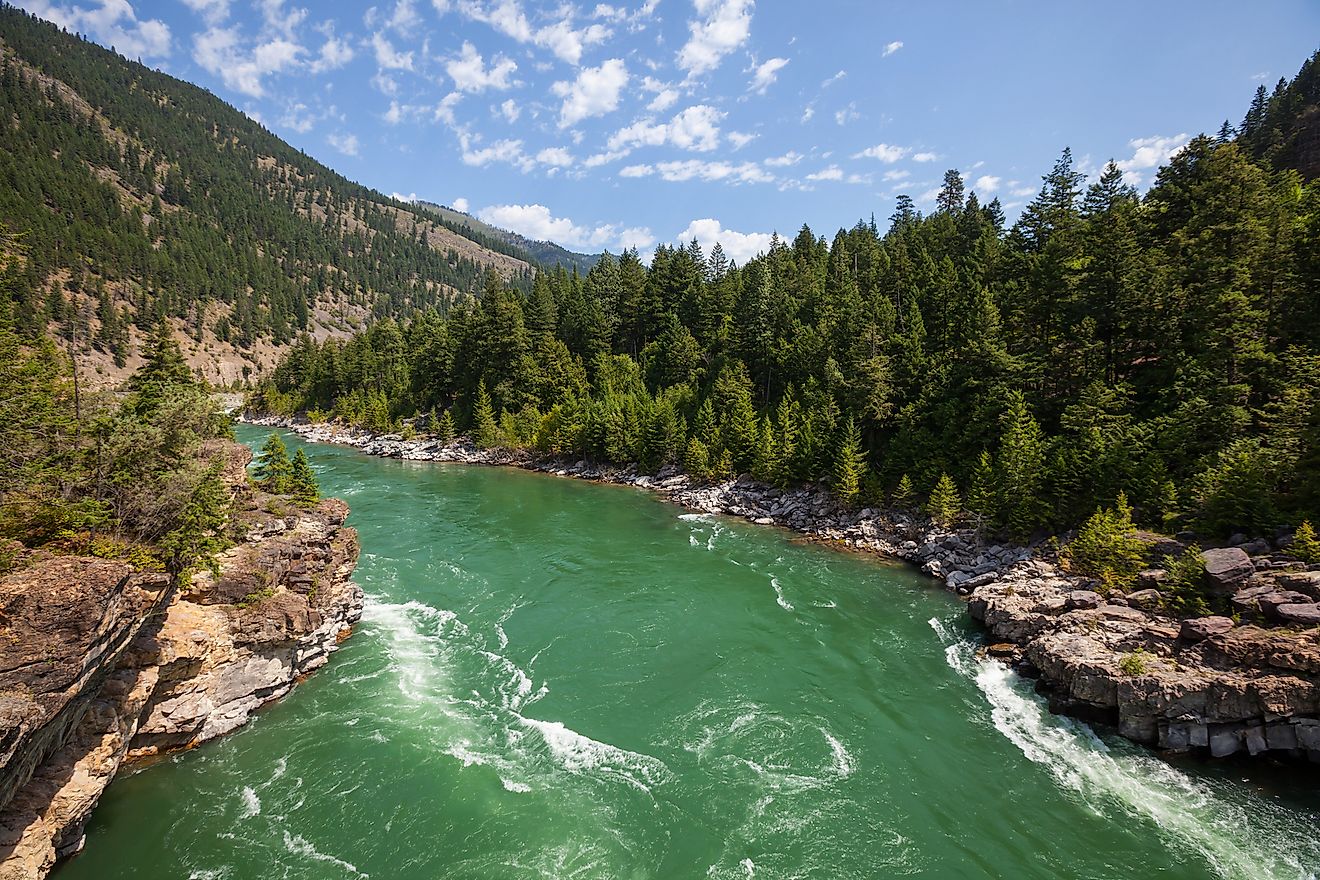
[(982, 497), (849, 465), (903, 494), (274, 471), (1107, 548), (302, 481), (1305, 546), (1021, 470), (945, 503), (485, 432), (443, 428)]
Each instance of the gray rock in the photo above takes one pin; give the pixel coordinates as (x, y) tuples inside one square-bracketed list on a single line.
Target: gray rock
[(1307, 582), (1307, 614), (1085, 599), (1270, 603), (1147, 599), (1201, 628), (1225, 741), (1226, 568), (1258, 547), (1152, 578)]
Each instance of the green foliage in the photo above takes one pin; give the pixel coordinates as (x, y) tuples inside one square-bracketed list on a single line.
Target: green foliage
[(849, 466), (945, 503), (485, 433), (1185, 589), (302, 481), (443, 428), (1305, 546), (903, 495), (274, 471), (1107, 548), (198, 535), (1237, 490), (1135, 663)]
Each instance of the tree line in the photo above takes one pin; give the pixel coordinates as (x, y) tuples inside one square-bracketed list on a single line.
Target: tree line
[(1164, 347)]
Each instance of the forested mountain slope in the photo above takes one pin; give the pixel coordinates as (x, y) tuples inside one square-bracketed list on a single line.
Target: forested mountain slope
[(1166, 346), (547, 253), (139, 196)]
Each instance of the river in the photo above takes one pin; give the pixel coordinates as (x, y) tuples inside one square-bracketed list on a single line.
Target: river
[(566, 680)]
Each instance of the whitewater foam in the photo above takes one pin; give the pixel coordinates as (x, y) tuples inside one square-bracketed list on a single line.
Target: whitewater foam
[(251, 803), (779, 594), (1239, 844), (299, 845), (579, 754)]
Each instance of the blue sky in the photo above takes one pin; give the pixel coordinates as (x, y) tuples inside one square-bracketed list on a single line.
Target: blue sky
[(637, 122)]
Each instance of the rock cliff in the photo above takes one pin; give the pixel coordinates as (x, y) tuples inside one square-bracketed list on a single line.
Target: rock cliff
[(100, 665)]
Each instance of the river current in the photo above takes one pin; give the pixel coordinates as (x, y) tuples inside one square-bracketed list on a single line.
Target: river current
[(555, 679)]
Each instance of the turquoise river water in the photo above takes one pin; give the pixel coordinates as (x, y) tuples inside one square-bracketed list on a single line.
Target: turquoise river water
[(565, 680)]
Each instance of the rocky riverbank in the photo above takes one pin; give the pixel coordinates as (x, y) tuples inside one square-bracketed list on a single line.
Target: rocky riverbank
[(102, 665), (1223, 685)]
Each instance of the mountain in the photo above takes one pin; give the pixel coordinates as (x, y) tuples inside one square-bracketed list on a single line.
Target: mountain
[(546, 253), (139, 197)]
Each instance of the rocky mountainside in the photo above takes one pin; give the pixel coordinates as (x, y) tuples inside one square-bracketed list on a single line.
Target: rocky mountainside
[(547, 253), (140, 197), (102, 665)]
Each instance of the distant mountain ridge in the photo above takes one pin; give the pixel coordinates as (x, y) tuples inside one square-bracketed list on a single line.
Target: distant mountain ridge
[(546, 253), (141, 197)]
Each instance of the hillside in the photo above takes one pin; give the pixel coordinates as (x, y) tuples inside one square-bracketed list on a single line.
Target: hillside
[(139, 197), (1283, 127), (546, 253)]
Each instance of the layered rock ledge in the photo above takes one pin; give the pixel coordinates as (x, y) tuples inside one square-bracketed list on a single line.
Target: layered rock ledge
[(1248, 684), (101, 665)]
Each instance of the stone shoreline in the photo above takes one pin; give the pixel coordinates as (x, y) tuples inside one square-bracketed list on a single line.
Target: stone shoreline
[(105, 665), (1212, 684)]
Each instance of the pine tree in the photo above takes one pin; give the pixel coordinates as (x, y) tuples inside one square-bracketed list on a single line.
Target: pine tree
[(1021, 470), (945, 503), (1305, 546), (274, 471), (903, 494), (485, 432), (164, 368), (443, 428), (849, 465), (302, 481), (1107, 548), (982, 497), (198, 534)]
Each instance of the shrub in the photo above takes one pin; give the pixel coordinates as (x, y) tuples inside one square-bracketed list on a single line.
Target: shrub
[(1185, 592), (945, 503), (1107, 548), (1305, 546), (1134, 664)]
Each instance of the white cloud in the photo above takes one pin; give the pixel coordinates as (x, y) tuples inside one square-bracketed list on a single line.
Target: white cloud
[(887, 153), (538, 223), (595, 92), (344, 143), (385, 83), (792, 157), (405, 18), (111, 22), (765, 74), (986, 184), (387, 56), (834, 172), (663, 100), (722, 26), (510, 110), (444, 111), (740, 139), (557, 157), (335, 53), (696, 169), (1148, 153), (696, 128), (808, 112), (847, 114), (299, 118), (637, 171), (740, 246), (217, 50), (924, 157), (460, 204), (400, 197), (891, 48), (469, 72), (501, 151), (560, 37), (211, 11), (897, 174)]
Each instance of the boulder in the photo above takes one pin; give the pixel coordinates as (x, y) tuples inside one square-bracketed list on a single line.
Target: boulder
[(1307, 582), (1147, 599), (1152, 578), (1226, 568), (1201, 628), (1083, 599), (1306, 614), (1270, 603)]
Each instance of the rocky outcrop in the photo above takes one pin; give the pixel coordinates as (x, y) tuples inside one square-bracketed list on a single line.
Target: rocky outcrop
[(100, 664), (1209, 683)]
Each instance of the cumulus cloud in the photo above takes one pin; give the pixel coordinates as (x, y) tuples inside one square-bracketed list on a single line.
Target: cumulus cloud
[(792, 157), (595, 92), (218, 51), (721, 27), (460, 204), (557, 157), (537, 222), (387, 56), (469, 72), (211, 11), (111, 22), (1150, 152), (560, 37), (297, 117), (891, 48), (986, 184), (834, 172), (506, 150), (740, 246), (887, 153), (665, 95), (684, 170), (344, 143), (510, 110), (334, 54), (924, 157), (696, 128), (765, 74)]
